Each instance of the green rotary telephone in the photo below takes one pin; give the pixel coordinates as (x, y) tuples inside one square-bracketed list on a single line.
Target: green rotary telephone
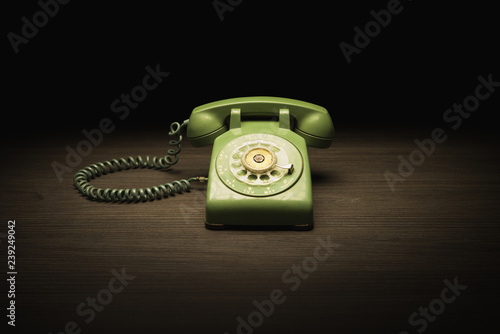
[(259, 173)]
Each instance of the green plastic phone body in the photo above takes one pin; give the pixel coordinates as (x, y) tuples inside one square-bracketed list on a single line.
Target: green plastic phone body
[(259, 173)]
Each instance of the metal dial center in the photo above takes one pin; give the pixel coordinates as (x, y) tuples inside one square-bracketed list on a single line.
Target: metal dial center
[(259, 158)]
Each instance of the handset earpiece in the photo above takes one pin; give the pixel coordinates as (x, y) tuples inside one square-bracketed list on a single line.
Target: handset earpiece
[(316, 128), (205, 125)]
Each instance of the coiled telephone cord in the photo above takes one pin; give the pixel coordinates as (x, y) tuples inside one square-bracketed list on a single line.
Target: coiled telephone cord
[(82, 177)]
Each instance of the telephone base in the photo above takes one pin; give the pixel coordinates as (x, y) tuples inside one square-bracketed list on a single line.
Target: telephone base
[(259, 177)]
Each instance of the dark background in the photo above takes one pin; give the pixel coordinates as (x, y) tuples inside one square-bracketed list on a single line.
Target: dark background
[(65, 79), (425, 60)]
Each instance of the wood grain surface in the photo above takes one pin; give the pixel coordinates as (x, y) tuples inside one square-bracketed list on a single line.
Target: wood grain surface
[(392, 252)]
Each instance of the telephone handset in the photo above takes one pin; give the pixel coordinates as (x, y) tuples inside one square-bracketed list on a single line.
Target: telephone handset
[(259, 174), (208, 121)]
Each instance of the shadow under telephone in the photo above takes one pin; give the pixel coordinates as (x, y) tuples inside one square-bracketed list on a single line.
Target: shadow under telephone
[(259, 173)]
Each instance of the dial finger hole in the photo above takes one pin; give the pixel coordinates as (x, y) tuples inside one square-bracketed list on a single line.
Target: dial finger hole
[(275, 173), (252, 177), (264, 177)]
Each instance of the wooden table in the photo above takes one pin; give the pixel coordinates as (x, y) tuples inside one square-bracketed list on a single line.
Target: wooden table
[(154, 267)]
